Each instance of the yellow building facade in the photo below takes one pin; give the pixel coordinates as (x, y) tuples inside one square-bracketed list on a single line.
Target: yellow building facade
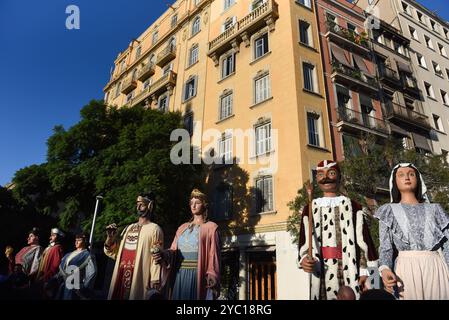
[(247, 76)]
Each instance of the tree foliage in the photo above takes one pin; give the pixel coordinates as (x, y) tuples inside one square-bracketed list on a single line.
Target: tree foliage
[(114, 152)]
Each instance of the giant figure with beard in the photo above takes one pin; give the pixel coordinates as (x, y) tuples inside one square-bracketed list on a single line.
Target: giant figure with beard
[(342, 248), (136, 275)]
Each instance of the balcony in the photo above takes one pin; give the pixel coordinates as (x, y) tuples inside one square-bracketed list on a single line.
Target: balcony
[(389, 76), (353, 121), (166, 55), (145, 72), (396, 111), (166, 83), (129, 85), (353, 78), (261, 16), (141, 96), (358, 43)]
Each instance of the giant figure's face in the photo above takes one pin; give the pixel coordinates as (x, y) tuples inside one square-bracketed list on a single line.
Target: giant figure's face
[(32, 239), (406, 179), (328, 180), (142, 206), (80, 243), (196, 206)]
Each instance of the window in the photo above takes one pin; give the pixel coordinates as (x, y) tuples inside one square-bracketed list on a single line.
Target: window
[(122, 65), (352, 28), (305, 33), (261, 46), (306, 3), (399, 48), (444, 97), (196, 26), (228, 65), (166, 69), (226, 103), (117, 89), (163, 103), (193, 55), (413, 33), (129, 96), (447, 73), (138, 52), (196, 2), (421, 60), (152, 59), (446, 33), (433, 25), (225, 149), (313, 128), (263, 138), (309, 76), (147, 83), (429, 90), (437, 123), (264, 194), (228, 3), (106, 96), (405, 8), (420, 17), (154, 37), (428, 42), (223, 201), (134, 74), (437, 69), (262, 89), (174, 20), (190, 88), (257, 3), (172, 43), (229, 23), (188, 123), (442, 50)]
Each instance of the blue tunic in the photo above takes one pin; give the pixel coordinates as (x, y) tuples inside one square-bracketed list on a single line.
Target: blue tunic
[(185, 287)]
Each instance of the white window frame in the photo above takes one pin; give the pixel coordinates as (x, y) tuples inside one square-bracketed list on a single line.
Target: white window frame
[(228, 68), (190, 88), (444, 97), (262, 88), (316, 119), (227, 4), (193, 55), (312, 74), (259, 42), (413, 33), (430, 87), (307, 32), (226, 105), (442, 49), (174, 20), (165, 96), (421, 60), (154, 37), (225, 149), (262, 135), (305, 3), (265, 188), (429, 42), (196, 25)]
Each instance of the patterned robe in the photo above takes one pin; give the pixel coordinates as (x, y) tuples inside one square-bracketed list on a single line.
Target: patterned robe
[(337, 223), (49, 265)]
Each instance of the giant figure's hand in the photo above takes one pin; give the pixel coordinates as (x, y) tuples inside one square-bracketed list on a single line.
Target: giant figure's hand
[(389, 279), (308, 264)]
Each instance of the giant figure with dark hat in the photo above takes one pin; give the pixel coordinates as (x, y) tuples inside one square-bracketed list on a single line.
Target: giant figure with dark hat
[(342, 248)]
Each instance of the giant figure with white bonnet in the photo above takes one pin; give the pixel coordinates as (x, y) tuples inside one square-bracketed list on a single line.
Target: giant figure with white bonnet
[(414, 233)]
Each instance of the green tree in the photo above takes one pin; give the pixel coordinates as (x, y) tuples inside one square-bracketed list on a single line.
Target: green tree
[(115, 152)]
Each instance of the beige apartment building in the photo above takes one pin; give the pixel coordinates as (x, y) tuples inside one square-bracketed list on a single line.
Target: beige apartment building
[(429, 47), (247, 76)]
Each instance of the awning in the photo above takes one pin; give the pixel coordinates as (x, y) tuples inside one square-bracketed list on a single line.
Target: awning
[(395, 128), (339, 54), (421, 142), (404, 67), (360, 63)]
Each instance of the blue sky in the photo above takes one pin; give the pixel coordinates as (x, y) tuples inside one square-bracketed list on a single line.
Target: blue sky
[(49, 73)]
